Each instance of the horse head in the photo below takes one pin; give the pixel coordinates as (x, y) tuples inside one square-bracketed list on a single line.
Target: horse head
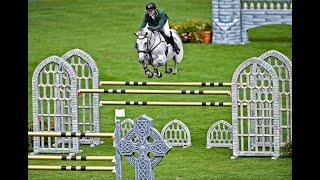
[(143, 43)]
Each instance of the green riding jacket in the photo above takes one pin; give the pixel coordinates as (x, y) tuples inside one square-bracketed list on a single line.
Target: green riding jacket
[(158, 22)]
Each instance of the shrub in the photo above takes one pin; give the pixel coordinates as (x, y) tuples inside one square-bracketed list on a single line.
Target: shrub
[(191, 30), (287, 148)]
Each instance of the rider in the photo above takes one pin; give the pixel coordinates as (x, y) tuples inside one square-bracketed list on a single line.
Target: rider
[(158, 20)]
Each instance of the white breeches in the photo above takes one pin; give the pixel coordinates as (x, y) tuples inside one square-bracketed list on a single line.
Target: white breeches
[(166, 29)]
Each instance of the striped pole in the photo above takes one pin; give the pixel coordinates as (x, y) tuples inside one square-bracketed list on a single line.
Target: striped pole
[(72, 168), (72, 158), (138, 83), (71, 134), (143, 91), (157, 103)]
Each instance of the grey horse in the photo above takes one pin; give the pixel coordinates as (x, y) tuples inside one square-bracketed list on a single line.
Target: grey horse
[(155, 51)]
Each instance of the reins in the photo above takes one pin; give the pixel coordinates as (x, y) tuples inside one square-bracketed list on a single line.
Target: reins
[(149, 50)]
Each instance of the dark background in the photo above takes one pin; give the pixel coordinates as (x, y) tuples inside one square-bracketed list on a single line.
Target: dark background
[(14, 93)]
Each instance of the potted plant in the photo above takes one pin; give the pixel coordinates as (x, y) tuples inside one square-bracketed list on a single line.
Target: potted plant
[(207, 33), (194, 30)]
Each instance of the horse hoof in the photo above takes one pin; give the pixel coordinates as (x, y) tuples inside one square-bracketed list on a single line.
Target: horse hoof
[(158, 74), (149, 74), (169, 70), (174, 73)]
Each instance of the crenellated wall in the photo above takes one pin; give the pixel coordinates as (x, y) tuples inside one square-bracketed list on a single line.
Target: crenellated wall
[(233, 18), (226, 21)]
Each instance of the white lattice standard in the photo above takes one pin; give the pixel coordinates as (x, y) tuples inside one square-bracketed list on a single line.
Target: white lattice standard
[(283, 67), (255, 110), (55, 106), (87, 78), (176, 133), (219, 135)]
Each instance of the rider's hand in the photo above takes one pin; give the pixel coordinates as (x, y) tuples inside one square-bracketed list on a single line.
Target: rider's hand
[(151, 28)]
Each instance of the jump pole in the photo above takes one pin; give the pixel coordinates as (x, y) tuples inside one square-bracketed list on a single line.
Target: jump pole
[(140, 83), (72, 158), (72, 168), (143, 91), (157, 103), (71, 134)]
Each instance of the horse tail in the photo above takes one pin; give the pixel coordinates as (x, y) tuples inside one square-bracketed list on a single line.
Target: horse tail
[(178, 57)]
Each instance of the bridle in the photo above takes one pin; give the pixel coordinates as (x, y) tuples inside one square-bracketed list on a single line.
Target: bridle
[(150, 48)]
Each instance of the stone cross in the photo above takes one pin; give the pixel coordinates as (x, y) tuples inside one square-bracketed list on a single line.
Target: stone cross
[(144, 147)]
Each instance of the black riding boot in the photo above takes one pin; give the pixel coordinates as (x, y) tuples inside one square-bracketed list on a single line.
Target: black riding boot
[(174, 45)]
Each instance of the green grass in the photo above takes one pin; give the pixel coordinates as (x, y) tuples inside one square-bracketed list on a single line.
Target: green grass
[(104, 29)]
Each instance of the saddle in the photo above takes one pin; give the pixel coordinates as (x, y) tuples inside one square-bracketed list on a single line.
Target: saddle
[(170, 40), (166, 39)]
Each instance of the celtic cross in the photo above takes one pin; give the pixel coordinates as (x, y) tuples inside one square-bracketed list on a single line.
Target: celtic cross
[(143, 147)]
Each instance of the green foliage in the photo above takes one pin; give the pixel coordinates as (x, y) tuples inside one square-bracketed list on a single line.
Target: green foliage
[(287, 148), (288, 144), (30, 125), (30, 128), (191, 30), (192, 25)]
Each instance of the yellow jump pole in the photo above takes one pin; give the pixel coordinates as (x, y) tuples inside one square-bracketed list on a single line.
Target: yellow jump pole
[(72, 168), (71, 134), (143, 91), (72, 158), (139, 83), (157, 103)]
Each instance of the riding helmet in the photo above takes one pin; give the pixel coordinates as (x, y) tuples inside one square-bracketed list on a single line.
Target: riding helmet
[(150, 5)]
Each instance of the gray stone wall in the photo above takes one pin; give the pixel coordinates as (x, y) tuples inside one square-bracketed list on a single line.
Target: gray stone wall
[(233, 18), (226, 21), (252, 18)]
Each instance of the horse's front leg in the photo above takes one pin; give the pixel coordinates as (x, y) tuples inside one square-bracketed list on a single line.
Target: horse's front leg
[(156, 72), (157, 62), (147, 72)]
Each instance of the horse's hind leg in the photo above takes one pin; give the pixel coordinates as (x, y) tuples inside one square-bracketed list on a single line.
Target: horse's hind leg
[(175, 71), (167, 69)]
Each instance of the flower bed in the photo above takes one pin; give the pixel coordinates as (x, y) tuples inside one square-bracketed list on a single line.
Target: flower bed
[(191, 31)]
